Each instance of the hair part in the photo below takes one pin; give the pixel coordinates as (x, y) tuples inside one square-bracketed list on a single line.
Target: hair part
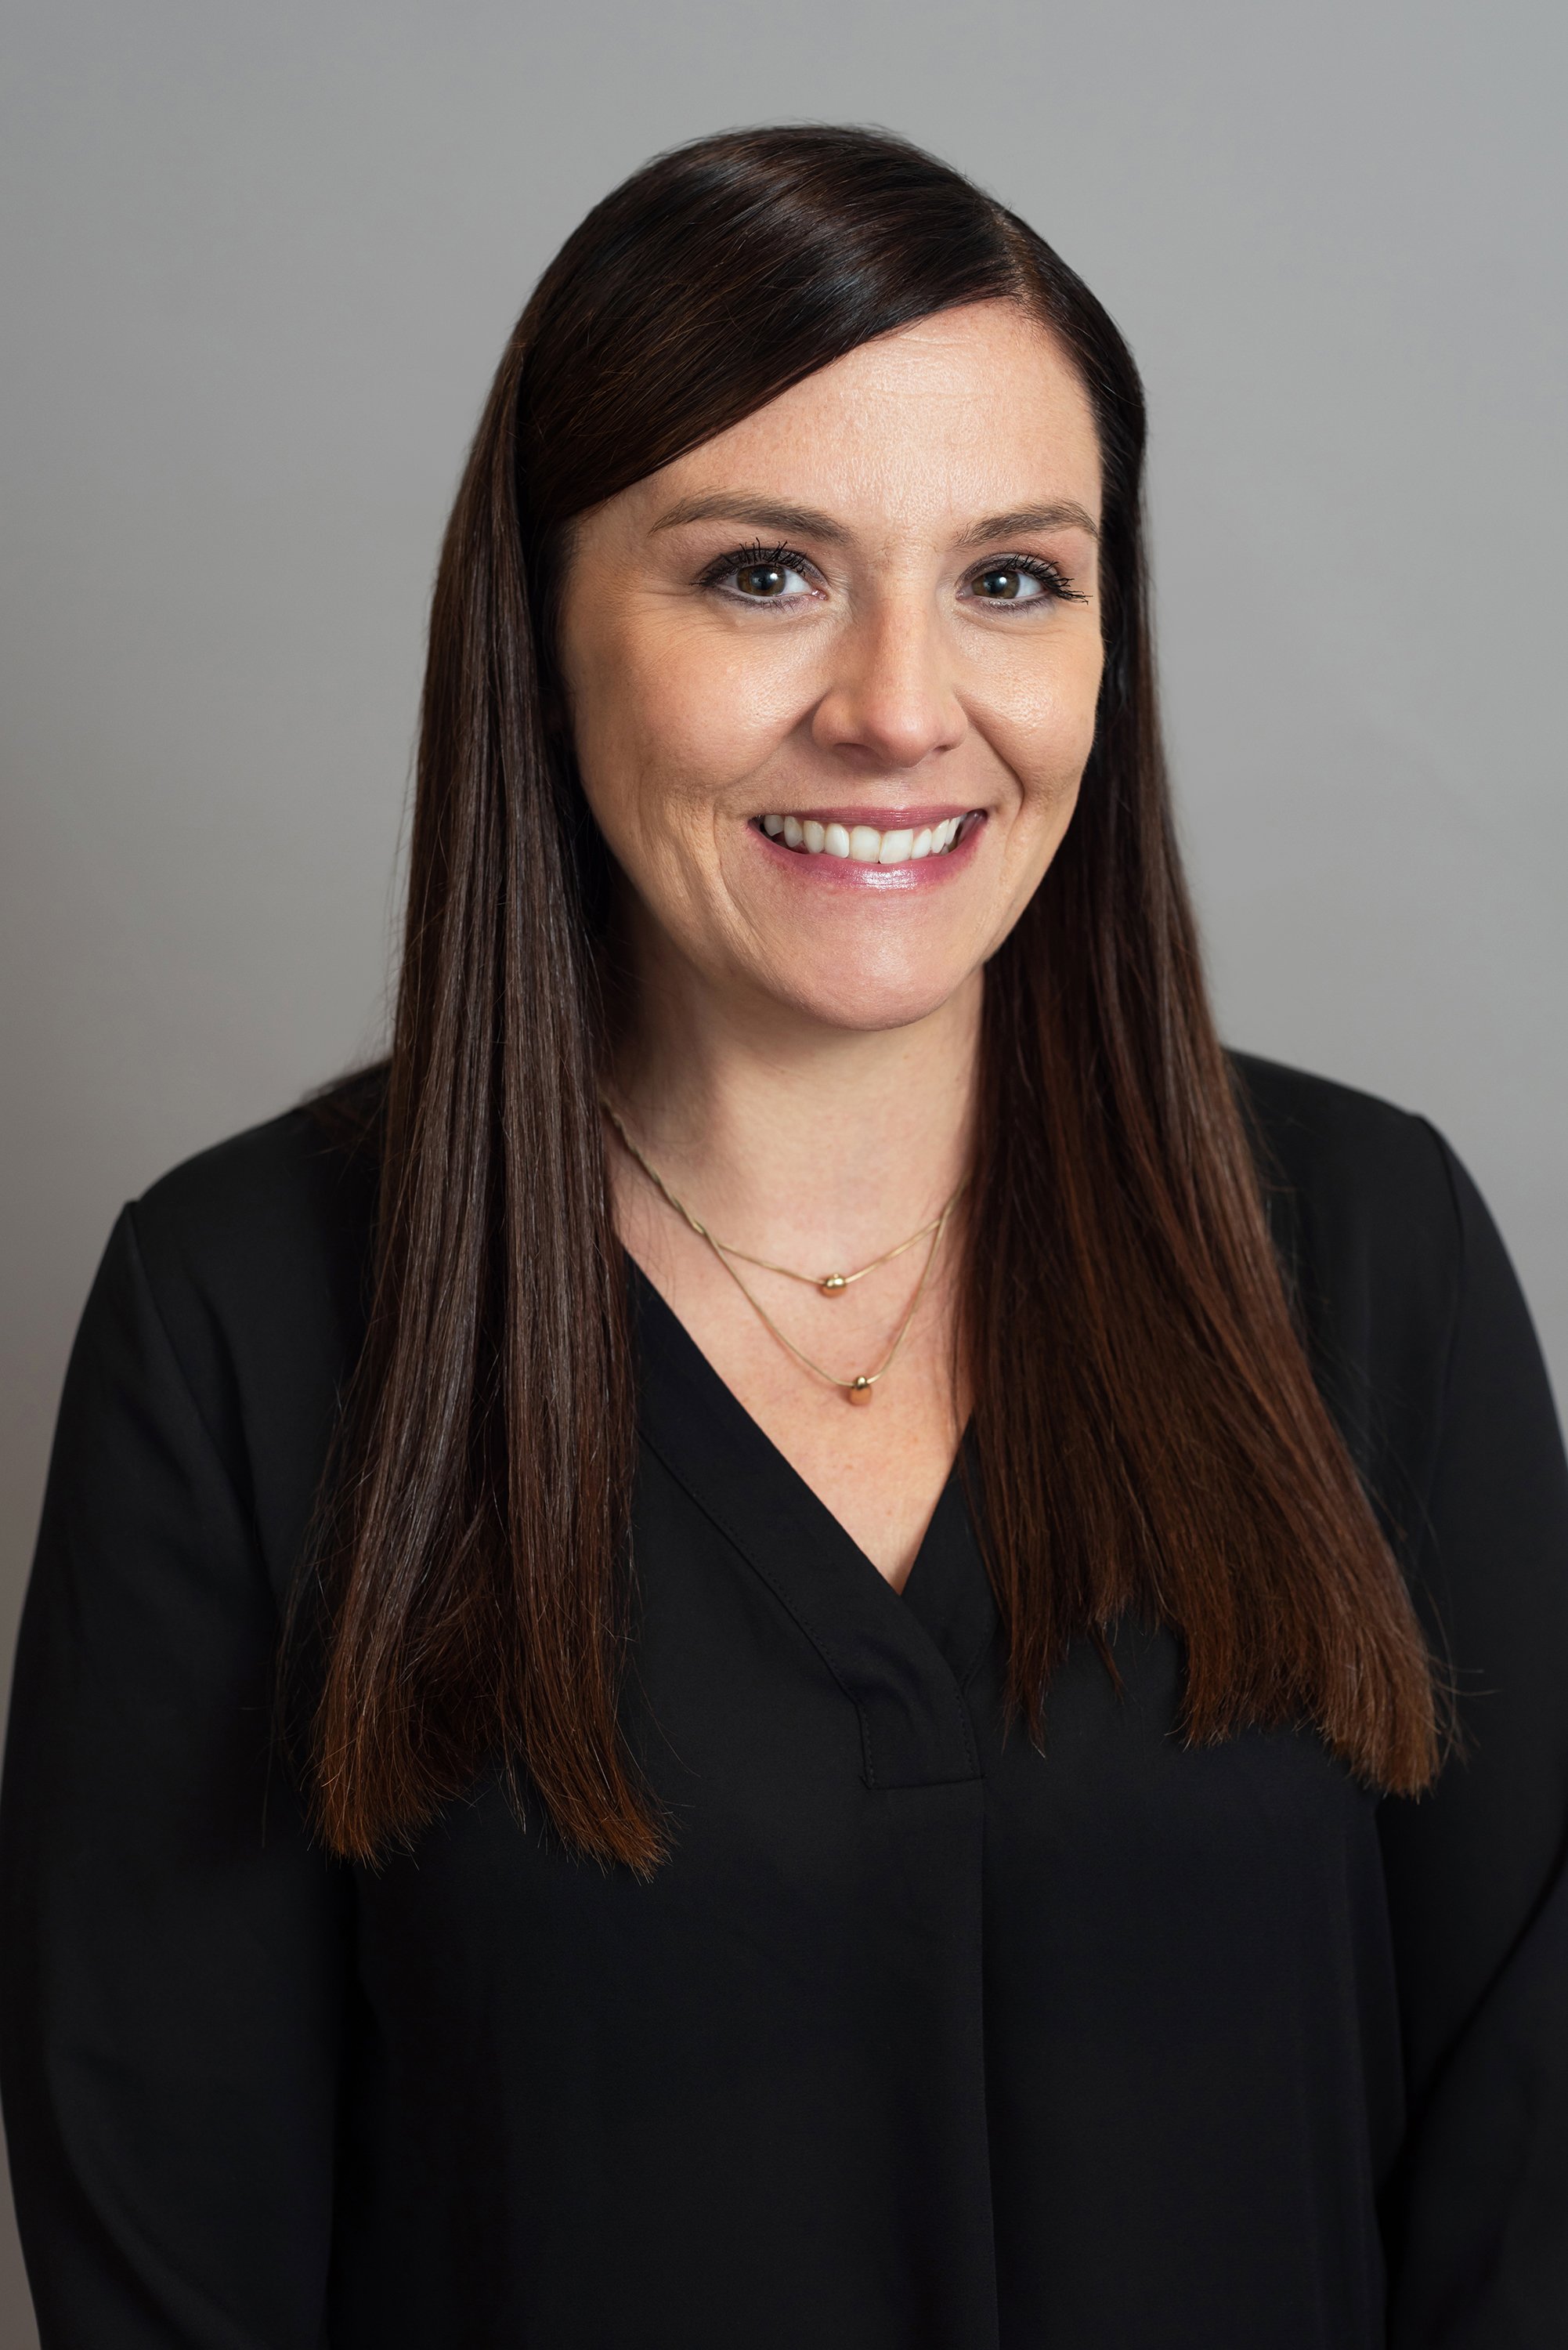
[(1146, 1435)]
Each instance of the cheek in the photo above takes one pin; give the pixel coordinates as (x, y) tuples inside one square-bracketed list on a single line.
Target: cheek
[(662, 727), (1046, 730)]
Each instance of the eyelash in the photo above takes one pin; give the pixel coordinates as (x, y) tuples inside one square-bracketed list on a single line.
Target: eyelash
[(1036, 567), (756, 557), (783, 558)]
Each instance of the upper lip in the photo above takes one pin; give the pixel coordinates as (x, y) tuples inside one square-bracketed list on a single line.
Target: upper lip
[(881, 819)]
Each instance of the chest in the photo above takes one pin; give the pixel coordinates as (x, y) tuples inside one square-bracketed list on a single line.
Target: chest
[(912, 1998), (783, 1350)]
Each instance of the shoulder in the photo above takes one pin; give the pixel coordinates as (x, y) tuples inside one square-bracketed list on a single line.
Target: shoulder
[(1351, 1180), (1342, 1150), (1372, 1216), (286, 1201), (256, 1256)]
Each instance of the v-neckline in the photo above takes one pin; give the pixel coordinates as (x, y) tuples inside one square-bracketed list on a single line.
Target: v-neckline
[(902, 1655)]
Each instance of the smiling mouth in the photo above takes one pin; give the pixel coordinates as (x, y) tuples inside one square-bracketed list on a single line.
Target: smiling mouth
[(865, 843)]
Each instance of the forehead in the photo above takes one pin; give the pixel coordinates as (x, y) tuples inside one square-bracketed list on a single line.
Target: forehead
[(976, 410)]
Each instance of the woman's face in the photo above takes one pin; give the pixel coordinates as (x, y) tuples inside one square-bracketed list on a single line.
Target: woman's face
[(832, 674)]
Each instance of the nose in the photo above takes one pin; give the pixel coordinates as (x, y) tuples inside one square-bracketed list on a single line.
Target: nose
[(892, 703)]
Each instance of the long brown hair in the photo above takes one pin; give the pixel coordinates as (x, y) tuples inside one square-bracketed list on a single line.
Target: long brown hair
[(1146, 1436)]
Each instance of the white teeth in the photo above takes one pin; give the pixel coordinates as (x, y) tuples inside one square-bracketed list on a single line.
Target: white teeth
[(863, 842)]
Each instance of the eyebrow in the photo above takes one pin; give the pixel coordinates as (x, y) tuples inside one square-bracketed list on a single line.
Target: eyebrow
[(1066, 514), (807, 522), (762, 513)]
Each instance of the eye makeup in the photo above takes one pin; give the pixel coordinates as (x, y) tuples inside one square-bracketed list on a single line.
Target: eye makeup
[(769, 568)]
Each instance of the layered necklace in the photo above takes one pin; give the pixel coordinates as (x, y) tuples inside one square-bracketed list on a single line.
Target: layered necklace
[(862, 1387)]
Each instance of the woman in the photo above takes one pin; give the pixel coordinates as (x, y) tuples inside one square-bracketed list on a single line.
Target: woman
[(1070, 1854)]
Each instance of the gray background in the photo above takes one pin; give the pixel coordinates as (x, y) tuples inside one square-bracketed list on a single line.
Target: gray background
[(258, 261)]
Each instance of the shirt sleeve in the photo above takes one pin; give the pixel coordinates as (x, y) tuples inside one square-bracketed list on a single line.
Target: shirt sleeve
[(172, 1946), (1476, 2214)]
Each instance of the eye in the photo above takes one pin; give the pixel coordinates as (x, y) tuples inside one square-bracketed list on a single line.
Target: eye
[(1007, 586), (766, 580), (1021, 580), (757, 574)]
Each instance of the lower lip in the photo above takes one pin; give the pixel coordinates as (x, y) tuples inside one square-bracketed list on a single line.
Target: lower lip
[(824, 871)]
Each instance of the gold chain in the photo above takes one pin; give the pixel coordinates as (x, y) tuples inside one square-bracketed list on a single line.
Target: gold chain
[(859, 1388), (831, 1285)]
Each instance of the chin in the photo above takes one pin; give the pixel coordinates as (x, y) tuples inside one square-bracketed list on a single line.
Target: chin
[(865, 1000)]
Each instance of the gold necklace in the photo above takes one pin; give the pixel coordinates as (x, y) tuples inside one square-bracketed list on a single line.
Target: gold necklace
[(860, 1388)]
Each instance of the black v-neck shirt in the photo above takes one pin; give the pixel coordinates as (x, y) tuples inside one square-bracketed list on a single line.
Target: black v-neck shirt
[(923, 2039)]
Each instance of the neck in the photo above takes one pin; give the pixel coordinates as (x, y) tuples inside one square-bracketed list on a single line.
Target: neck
[(791, 1138)]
